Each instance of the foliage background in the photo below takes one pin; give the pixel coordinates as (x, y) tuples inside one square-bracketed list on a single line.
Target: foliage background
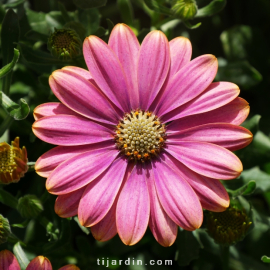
[(238, 36)]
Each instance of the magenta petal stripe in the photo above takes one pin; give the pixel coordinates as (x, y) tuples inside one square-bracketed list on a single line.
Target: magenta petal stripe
[(188, 83), (51, 159), (228, 136), (126, 46), (51, 108), (81, 96), (207, 159), (161, 225), (79, 171), (211, 193), (70, 130), (153, 67), (67, 205), (107, 71), (106, 228), (177, 197), (101, 193), (216, 95), (234, 113), (133, 207)]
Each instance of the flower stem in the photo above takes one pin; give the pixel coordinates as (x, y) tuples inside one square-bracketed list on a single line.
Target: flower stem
[(225, 256)]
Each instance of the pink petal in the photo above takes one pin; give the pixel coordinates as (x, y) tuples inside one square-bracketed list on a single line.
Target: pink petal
[(153, 67), (67, 205), (100, 194), (176, 196), (69, 267), (39, 263), (79, 171), (51, 159), (216, 95), (107, 71), (51, 108), (207, 159), (106, 228), (211, 193), (226, 135), (161, 225), (234, 113), (83, 97), (181, 51), (126, 46), (133, 207), (70, 130), (8, 261), (188, 83)]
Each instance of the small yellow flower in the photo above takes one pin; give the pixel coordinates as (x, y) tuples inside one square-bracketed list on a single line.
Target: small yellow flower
[(13, 162)]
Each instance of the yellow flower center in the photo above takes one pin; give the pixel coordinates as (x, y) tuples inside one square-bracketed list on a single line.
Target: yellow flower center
[(140, 135)]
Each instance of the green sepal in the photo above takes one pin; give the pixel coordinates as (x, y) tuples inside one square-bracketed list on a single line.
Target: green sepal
[(246, 189), (185, 9), (126, 11), (9, 67), (214, 7), (17, 111), (8, 199), (157, 6), (190, 26), (265, 259)]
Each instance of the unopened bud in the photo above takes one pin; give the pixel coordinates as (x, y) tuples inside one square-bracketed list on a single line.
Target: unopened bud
[(4, 230), (39, 263), (8, 261), (185, 9), (29, 206)]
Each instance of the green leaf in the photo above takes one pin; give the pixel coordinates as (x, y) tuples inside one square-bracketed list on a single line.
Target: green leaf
[(158, 7), (14, 4), (241, 73), (20, 255), (9, 37), (252, 124), (85, 4), (126, 11), (214, 7), (17, 111), (90, 19), (261, 178), (39, 57), (100, 32), (188, 248), (9, 67), (247, 189), (64, 12), (110, 25), (265, 259), (5, 124), (7, 199)]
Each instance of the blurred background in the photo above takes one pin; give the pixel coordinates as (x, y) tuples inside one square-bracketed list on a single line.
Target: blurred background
[(236, 32)]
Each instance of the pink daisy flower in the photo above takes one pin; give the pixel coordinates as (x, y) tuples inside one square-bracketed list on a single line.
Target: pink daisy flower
[(143, 137)]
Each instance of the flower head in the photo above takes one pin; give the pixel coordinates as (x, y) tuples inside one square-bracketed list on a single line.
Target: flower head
[(64, 43), (9, 262), (13, 162), (185, 9), (143, 137), (228, 227)]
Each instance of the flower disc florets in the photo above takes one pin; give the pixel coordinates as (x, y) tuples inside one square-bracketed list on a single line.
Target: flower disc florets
[(228, 227), (140, 135)]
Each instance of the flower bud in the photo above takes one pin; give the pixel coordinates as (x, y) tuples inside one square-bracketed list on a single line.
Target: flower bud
[(184, 9), (69, 267), (228, 227), (39, 263), (29, 206), (13, 162), (4, 230), (8, 261), (64, 43)]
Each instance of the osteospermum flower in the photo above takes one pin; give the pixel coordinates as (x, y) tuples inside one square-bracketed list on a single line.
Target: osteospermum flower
[(9, 262), (143, 137)]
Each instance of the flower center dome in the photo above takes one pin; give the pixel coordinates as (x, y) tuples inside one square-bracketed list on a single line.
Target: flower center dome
[(140, 135)]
